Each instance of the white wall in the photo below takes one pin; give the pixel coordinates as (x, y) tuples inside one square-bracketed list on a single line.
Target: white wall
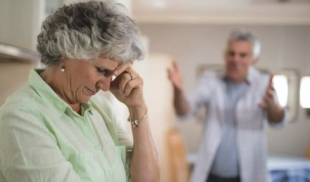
[(282, 47), (4, 11), (20, 22)]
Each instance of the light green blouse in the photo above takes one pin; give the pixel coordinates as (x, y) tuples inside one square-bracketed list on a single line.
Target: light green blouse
[(43, 140)]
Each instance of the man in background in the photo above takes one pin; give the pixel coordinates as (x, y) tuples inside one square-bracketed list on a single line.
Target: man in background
[(239, 101)]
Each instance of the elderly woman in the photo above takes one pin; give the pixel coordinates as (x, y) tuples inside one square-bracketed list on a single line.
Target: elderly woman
[(55, 129)]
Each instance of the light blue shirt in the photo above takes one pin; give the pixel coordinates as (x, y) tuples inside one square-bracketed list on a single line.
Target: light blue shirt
[(226, 162)]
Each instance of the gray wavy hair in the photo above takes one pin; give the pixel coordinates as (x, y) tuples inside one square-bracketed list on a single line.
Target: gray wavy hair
[(245, 35), (88, 30)]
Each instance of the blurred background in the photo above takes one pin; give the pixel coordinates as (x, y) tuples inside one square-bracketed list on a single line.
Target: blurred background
[(193, 33)]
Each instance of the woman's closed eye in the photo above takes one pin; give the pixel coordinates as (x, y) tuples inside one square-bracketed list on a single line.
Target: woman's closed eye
[(105, 72)]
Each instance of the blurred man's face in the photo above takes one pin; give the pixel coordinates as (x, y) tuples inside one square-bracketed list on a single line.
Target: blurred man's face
[(238, 58)]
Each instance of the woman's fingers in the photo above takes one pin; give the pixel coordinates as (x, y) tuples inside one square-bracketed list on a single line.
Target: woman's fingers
[(128, 81), (125, 78), (132, 84), (122, 67)]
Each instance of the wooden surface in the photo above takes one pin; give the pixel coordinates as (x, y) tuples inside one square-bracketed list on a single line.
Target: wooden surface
[(12, 77), (177, 154)]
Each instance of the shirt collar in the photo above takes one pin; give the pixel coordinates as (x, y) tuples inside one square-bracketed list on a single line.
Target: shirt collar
[(48, 94), (250, 76)]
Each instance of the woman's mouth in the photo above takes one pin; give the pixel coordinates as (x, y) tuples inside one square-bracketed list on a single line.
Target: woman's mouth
[(90, 91)]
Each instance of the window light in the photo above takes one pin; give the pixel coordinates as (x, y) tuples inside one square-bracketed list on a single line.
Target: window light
[(280, 84), (304, 92)]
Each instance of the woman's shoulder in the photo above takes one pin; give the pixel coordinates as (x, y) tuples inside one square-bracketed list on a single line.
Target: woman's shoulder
[(25, 97), (18, 112)]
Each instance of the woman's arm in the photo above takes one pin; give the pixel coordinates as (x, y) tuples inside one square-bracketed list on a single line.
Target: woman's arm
[(128, 89), (144, 164)]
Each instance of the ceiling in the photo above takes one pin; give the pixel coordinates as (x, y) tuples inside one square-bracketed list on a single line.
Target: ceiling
[(222, 11)]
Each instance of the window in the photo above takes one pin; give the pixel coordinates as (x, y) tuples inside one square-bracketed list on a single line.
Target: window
[(280, 83), (304, 92), (286, 84)]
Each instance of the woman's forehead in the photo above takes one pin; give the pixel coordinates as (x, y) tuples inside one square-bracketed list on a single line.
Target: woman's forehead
[(107, 63)]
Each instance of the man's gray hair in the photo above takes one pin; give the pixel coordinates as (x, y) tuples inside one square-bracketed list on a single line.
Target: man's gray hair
[(88, 30), (244, 35)]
